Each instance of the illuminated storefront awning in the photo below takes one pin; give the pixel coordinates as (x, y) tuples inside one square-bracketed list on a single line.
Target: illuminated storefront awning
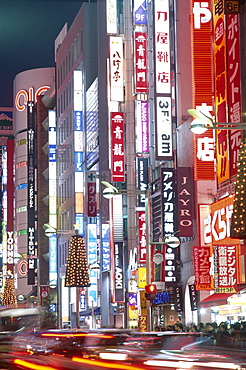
[(216, 299)]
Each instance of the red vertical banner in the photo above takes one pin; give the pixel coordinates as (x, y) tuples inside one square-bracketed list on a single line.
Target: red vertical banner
[(234, 86), (117, 145), (141, 223), (91, 194), (220, 70), (10, 206), (140, 68), (202, 267), (202, 87)]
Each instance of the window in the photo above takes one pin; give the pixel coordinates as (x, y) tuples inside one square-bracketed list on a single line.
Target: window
[(22, 232), (21, 164), (22, 209), (21, 142), (22, 186)]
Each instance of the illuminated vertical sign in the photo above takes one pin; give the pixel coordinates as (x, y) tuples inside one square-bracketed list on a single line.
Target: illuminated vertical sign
[(168, 201), (142, 179), (141, 223), (168, 191), (10, 206), (116, 69), (140, 67), (4, 214), (226, 268), (234, 87), (78, 142), (52, 196), (202, 91), (92, 258), (202, 257), (220, 69), (185, 201), (119, 272), (92, 243), (91, 194), (142, 126), (117, 145), (140, 12), (162, 47), (111, 14), (31, 196), (53, 260), (52, 169), (164, 130), (105, 248)]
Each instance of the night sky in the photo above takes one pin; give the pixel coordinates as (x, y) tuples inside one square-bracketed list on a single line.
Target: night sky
[(28, 30)]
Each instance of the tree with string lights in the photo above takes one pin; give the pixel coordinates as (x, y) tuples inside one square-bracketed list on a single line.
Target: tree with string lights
[(238, 222), (77, 273), (9, 297)]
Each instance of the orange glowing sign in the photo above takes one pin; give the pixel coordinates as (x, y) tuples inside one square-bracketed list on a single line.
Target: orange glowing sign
[(22, 97), (220, 90), (202, 91), (217, 223)]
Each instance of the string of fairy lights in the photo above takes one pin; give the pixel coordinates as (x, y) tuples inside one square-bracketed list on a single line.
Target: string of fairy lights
[(8, 296), (77, 273), (238, 222)]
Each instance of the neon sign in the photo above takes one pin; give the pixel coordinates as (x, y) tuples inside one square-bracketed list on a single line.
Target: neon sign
[(22, 97)]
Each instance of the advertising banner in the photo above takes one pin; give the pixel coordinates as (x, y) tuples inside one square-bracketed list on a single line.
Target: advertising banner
[(202, 256), (117, 145), (140, 66)]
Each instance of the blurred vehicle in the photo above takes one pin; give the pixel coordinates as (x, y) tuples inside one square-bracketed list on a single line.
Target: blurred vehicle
[(126, 350)]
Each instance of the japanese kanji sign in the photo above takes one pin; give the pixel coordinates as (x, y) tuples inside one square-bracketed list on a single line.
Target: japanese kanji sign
[(202, 91), (168, 189), (141, 222), (140, 68), (117, 145), (202, 267), (91, 194), (162, 47), (116, 69), (225, 268), (234, 87), (220, 74)]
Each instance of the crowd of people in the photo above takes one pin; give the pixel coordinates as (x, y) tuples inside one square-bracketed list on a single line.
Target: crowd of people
[(222, 334)]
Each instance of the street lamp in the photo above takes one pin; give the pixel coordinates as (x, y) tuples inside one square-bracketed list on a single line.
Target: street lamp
[(203, 122), (50, 230)]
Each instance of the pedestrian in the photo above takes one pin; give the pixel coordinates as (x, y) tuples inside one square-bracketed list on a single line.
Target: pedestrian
[(209, 329), (178, 326), (201, 327), (223, 337), (236, 335)]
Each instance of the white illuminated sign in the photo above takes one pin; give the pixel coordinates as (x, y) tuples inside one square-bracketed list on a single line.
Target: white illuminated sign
[(201, 13), (162, 47), (164, 127), (111, 16), (116, 69)]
